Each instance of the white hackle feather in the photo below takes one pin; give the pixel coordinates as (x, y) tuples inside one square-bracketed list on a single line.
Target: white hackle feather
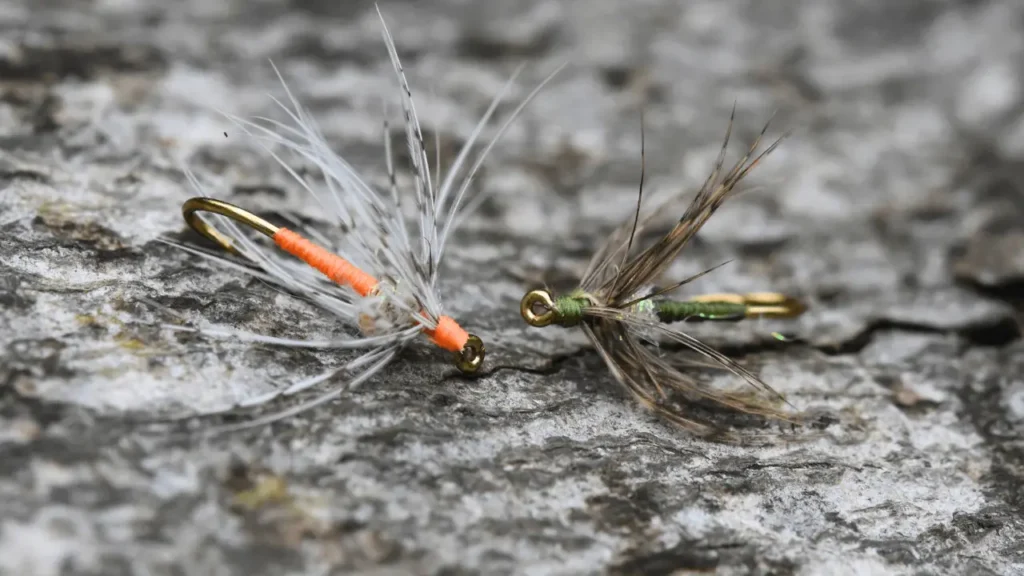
[(404, 258)]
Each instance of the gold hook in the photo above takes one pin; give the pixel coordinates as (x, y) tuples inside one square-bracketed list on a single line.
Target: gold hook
[(540, 298), (191, 208), (767, 304), (468, 360)]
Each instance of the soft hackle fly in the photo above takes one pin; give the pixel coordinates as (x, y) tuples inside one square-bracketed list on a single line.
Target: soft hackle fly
[(618, 309), (381, 277)]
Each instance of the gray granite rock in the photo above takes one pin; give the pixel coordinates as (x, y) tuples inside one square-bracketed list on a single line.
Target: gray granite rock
[(896, 209)]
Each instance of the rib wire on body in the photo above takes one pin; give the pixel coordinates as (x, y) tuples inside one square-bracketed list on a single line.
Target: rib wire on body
[(381, 279)]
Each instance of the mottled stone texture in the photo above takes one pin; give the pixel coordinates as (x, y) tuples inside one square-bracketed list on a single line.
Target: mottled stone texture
[(896, 209)]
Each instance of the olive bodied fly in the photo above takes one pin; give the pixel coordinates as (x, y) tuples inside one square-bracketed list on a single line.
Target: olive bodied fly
[(617, 308)]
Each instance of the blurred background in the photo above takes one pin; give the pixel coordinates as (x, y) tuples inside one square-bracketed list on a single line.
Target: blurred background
[(895, 208)]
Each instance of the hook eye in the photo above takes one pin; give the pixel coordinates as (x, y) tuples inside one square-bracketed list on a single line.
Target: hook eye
[(538, 299), (472, 355)]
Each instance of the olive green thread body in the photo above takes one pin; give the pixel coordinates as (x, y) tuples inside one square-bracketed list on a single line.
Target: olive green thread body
[(570, 309), (670, 311)]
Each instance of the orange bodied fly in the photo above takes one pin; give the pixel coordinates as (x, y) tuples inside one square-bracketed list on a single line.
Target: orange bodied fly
[(380, 278)]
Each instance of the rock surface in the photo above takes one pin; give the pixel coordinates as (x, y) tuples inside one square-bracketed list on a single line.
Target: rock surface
[(896, 209)]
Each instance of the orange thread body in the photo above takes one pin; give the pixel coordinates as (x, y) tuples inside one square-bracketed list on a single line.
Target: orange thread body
[(448, 334), (333, 266)]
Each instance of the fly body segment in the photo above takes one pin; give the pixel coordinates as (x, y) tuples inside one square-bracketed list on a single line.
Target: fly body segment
[(380, 279), (618, 310)]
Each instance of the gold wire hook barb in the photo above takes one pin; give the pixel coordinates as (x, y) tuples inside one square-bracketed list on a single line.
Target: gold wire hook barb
[(193, 206), (764, 304)]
